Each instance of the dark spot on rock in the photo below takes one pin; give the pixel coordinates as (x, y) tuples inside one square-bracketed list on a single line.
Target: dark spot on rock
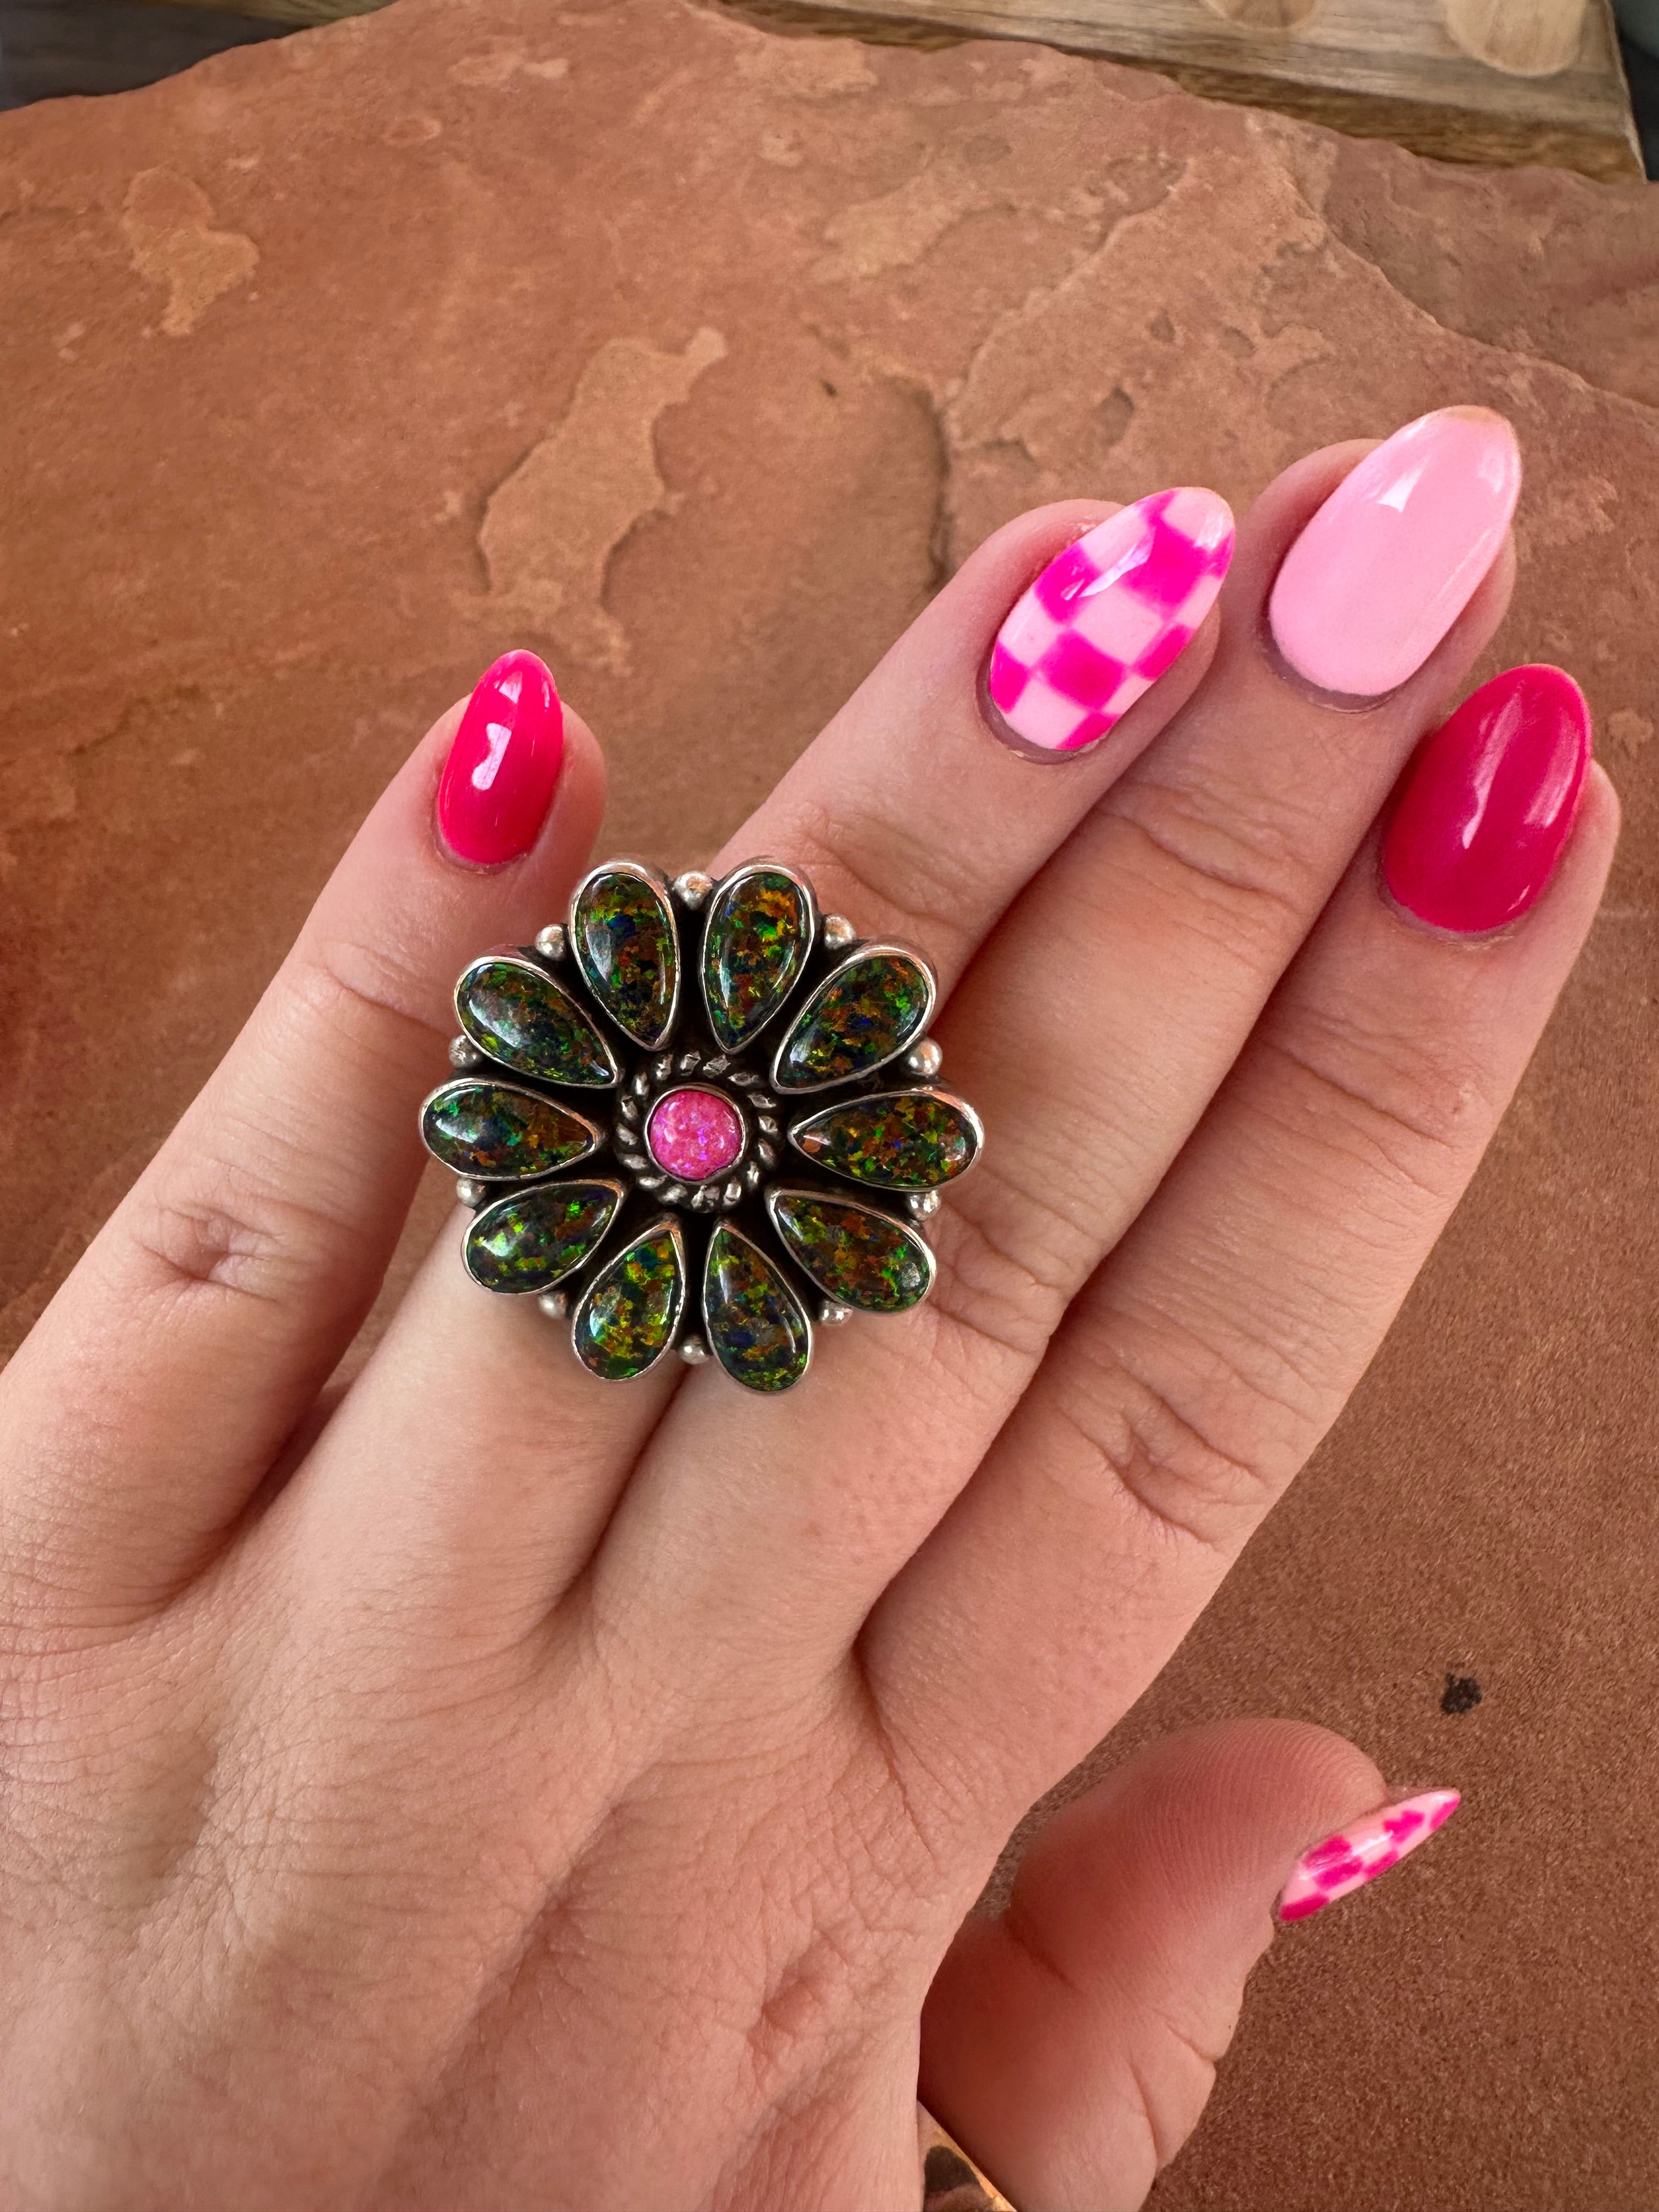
[(1114, 414), (1162, 329), (1462, 1694), (828, 387)]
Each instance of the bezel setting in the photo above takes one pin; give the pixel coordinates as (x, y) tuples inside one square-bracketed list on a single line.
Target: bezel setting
[(743, 989)]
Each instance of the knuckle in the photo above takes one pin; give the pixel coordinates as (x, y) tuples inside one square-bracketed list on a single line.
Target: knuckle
[(1006, 1271), (1238, 873), (221, 1226), (890, 876), (363, 990), (1201, 1463)]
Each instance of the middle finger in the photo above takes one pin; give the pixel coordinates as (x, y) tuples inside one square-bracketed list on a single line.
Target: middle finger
[(1092, 1031)]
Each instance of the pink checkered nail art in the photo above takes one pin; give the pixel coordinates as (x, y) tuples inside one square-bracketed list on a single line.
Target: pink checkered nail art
[(1369, 1847), (1107, 617)]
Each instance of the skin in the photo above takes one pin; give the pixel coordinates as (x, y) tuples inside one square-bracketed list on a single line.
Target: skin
[(484, 1788)]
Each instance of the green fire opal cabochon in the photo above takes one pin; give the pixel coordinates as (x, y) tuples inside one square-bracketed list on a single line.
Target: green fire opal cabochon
[(502, 1133), (863, 1014), (621, 929), (522, 1018), (759, 934), (757, 1327), (531, 1239), (893, 1140), (853, 1253), (629, 1313)]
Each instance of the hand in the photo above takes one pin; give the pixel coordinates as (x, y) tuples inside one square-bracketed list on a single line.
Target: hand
[(487, 1788)]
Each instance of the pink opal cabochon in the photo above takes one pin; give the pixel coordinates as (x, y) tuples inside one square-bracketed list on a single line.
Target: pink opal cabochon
[(1107, 618), (1363, 1851)]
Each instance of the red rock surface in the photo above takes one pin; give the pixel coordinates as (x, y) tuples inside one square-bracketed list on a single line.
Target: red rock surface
[(694, 357)]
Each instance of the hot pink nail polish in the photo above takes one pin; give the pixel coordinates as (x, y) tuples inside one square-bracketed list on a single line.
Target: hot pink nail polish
[(499, 780), (1385, 568), (1362, 1851), (1490, 804), (1107, 617)]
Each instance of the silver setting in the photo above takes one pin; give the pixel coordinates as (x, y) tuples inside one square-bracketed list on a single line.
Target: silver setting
[(658, 884), (875, 950), (683, 1052)]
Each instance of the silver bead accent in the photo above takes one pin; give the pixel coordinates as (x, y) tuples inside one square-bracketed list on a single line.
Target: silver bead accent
[(923, 1202), (693, 1351), (661, 1068), (689, 1061), (766, 1125), (832, 1316), (649, 1181), (925, 1059), (838, 931), (733, 1190), (751, 1174), (463, 1052), (692, 888), (555, 1304), (641, 1084), (762, 1101), (766, 1156), (469, 1191), (631, 1110), (718, 1066), (673, 1194), (550, 942), (744, 1077)]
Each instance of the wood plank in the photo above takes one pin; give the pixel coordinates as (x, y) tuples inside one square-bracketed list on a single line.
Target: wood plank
[(1387, 69)]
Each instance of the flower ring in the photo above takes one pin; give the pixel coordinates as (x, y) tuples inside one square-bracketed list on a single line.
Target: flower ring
[(627, 1145)]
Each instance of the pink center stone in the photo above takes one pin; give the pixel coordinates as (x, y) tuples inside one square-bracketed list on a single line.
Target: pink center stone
[(694, 1134)]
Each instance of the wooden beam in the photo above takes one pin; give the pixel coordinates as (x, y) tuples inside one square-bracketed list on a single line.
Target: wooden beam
[(1377, 69)]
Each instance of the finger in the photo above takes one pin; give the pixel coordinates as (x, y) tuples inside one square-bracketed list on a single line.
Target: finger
[(207, 1314), (909, 812), (1091, 1032), (1211, 1352), (1071, 2043)]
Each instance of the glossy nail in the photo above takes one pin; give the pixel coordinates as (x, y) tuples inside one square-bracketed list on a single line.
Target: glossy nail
[(1482, 822), (1388, 564), (503, 766), (1107, 617), (1363, 1851)]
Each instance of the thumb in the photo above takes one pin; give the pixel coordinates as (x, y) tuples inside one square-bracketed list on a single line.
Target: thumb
[(1069, 2045)]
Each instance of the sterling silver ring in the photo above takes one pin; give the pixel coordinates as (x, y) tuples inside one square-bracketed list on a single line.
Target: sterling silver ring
[(640, 1135)]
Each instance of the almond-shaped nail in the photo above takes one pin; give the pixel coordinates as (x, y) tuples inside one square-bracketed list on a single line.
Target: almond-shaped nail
[(503, 766), (1106, 618), (1363, 1850), (1390, 561), (1490, 803)]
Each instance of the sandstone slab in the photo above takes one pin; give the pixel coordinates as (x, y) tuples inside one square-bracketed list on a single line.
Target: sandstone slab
[(694, 357)]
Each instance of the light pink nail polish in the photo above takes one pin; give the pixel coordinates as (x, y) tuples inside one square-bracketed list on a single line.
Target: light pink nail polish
[(1363, 1851), (1481, 824), (1385, 568), (1106, 618)]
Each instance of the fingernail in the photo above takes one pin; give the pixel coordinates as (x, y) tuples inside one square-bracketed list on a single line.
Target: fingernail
[(1490, 804), (1107, 617), (1368, 1847), (1388, 564), (498, 782)]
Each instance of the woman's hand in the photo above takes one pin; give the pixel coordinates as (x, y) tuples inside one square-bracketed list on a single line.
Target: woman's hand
[(490, 1789)]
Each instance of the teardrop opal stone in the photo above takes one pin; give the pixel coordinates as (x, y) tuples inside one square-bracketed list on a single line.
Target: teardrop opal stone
[(531, 1239), (758, 936), (501, 1133), (629, 1313), (861, 1015), (757, 1328), (854, 1255), (896, 1140), (522, 1018), (625, 943)]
